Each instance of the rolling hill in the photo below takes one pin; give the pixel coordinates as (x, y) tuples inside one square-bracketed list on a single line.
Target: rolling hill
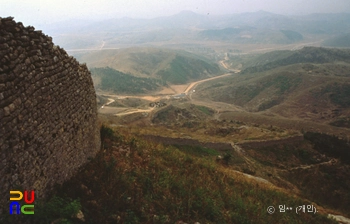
[(338, 41), (164, 65), (111, 80), (251, 35), (311, 84), (305, 55)]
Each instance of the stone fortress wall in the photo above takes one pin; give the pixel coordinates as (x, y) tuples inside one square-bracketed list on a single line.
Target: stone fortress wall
[(48, 112)]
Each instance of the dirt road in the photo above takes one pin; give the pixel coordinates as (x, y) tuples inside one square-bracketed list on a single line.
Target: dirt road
[(193, 84), (222, 62), (187, 91), (110, 100), (135, 111)]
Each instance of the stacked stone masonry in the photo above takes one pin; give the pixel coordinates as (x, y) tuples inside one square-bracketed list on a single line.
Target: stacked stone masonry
[(48, 112)]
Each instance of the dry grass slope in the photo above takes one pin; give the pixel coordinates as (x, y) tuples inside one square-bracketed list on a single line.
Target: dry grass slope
[(135, 181)]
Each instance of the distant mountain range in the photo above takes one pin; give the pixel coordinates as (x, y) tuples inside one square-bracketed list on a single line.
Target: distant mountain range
[(326, 23), (257, 27)]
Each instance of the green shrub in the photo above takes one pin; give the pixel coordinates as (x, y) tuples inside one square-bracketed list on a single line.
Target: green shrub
[(227, 157), (56, 208), (106, 132)]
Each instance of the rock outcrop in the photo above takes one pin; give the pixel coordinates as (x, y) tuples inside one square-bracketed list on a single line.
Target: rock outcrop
[(48, 112)]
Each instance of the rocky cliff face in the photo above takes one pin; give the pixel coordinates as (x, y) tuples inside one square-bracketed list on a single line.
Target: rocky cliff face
[(48, 112)]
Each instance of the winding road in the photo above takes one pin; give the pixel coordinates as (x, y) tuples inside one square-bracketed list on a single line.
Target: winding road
[(193, 84), (188, 91)]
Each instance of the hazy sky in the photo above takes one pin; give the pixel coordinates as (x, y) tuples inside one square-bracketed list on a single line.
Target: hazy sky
[(33, 12)]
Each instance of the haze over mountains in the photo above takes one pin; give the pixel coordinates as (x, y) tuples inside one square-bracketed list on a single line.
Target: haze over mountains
[(185, 27)]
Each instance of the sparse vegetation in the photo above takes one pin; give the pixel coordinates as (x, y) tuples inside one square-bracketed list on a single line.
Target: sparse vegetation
[(158, 184), (149, 183), (341, 122), (339, 94), (197, 150), (330, 145), (275, 85), (287, 155)]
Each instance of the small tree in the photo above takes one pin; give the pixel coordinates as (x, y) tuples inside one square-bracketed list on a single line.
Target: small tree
[(227, 158), (105, 132)]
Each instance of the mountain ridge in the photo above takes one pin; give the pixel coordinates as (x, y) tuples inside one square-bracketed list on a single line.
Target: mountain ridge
[(186, 27), (311, 84), (304, 55), (165, 65)]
